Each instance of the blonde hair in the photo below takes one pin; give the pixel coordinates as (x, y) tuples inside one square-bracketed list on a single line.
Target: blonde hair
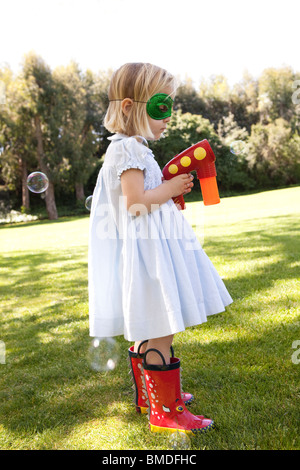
[(137, 81)]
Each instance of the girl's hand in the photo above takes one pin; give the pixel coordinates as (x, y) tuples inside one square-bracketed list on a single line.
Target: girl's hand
[(181, 184), (132, 183)]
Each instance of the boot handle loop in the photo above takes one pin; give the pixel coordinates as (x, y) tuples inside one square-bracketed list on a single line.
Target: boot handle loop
[(146, 341), (158, 352), (141, 344)]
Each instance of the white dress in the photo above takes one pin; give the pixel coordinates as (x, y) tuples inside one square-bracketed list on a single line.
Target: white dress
[(148, 274)]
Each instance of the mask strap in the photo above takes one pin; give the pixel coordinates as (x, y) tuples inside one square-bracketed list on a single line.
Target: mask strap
[(136, 101)]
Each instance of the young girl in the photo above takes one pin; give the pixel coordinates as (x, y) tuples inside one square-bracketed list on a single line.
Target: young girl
[(145, 282)]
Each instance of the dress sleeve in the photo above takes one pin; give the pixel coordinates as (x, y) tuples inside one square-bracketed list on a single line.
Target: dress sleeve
[(131, 155)]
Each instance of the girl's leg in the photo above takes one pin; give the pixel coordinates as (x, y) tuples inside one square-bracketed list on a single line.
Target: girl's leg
[(142, 348), (163, 345), (136, 353)]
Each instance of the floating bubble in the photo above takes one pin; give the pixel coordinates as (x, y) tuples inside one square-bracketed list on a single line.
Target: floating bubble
[(37, 182), (88, 202), (103, 354), (237, 147), (179, 441)]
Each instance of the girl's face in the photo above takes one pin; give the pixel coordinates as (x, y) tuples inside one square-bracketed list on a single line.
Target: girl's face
[(158, 126)]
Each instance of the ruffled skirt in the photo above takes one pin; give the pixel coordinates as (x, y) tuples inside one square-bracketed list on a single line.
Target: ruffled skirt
[(151, 278)]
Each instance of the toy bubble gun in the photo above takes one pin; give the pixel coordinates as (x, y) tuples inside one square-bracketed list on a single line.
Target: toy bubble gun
[(201, 158)]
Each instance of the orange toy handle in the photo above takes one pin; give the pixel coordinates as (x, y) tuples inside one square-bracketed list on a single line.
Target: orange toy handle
[(209, 191)]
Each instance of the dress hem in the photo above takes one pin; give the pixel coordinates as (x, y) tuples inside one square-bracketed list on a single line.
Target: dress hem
[(165, 332)]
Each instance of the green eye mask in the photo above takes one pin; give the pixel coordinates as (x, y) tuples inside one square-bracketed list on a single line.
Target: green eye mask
[(159, 106)]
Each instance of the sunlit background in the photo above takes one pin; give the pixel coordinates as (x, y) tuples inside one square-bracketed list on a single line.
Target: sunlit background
[(191, 38)]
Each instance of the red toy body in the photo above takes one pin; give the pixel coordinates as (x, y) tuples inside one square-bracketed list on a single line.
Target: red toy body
[(201, 158)]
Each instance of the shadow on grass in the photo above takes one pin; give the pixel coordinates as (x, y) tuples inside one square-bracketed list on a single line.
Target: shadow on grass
[(47, 380), (245, 383), (26, 277), (267, 242), (249, 386)]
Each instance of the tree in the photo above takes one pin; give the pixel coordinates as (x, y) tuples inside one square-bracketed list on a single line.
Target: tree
[(81, 133), (187, 129), (229, 131), (232, 136), (273, 154), (188, 100), (243, 102), (45, 114), (275, 94), (215, 94), (16, 136), (52, 121), (74, 137)]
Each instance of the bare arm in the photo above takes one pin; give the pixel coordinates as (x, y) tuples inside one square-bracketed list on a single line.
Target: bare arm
[(132, 183)]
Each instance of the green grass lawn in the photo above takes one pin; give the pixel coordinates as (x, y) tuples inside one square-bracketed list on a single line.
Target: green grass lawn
[(242, 365)]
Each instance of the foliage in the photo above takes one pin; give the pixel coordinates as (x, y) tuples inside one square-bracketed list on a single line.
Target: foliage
[(273, 153), (52, 121), (275, 97), (187, 129)]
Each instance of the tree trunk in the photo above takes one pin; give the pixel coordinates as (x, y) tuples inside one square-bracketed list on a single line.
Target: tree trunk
[(25, 191), (79, 190), (50, 197), (50, 202)]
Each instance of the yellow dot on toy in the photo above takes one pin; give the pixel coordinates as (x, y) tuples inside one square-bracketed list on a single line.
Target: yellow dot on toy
[(173, 169), (185, 161), (199, 153)]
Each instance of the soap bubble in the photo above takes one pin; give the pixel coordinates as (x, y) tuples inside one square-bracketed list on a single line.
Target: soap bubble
[(37, 182), (88, 202), (179, 441), (237, 147), (103, 354)]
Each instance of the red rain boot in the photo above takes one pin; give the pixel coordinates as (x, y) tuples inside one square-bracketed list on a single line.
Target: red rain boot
[(168, 412), (141, 398)]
